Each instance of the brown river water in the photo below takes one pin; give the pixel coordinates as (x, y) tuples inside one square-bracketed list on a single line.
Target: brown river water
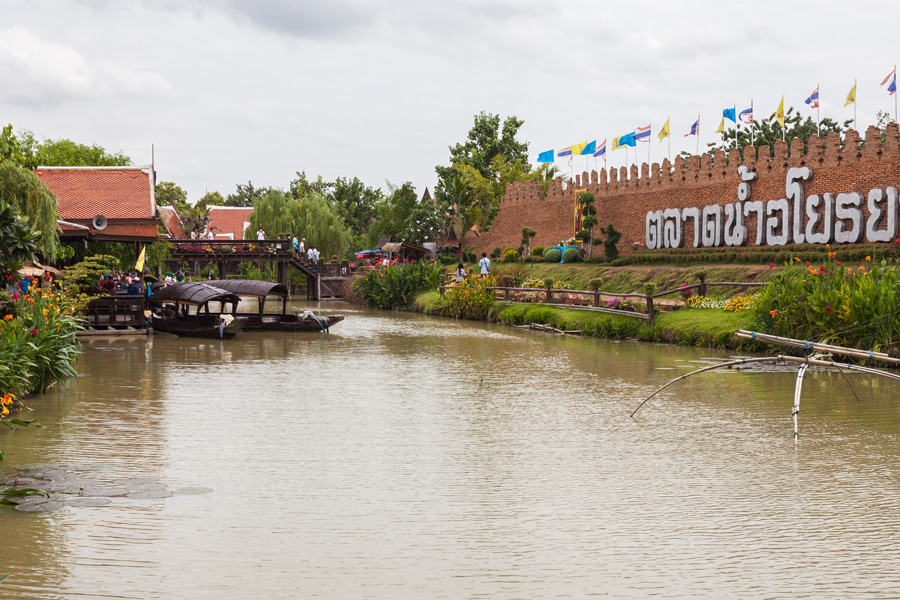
[(408, 457)]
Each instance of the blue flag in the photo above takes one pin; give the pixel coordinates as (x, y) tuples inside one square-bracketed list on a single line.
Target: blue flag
[(728, 113), (627, 140), (545, 156), (589, 149)]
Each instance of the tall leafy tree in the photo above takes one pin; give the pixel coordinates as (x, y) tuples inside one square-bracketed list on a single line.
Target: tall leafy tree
[(66, 153), (22, 189), (356, 203), (490, 158), (392, 212), (301, 186), (245, 195), (212, 199), (310, 216), (170, 194)]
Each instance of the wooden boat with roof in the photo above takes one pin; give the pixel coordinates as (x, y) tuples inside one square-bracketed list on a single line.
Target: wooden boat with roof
[(195, 309), (249, 290)]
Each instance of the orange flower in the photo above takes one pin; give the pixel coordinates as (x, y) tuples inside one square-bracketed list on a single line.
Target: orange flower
[(773, 312)]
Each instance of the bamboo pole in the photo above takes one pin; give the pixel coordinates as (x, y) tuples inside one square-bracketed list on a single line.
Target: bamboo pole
[(816, 346)]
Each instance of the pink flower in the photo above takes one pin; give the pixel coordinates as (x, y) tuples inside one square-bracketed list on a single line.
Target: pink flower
[(840, 264), (772, 265), (827, 307)]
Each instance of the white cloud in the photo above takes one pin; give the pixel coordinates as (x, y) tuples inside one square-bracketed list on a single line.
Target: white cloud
[(38, 71)]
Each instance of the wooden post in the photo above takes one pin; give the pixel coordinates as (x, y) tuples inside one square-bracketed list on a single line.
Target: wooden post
[(506, 294), (703, 287), (650, 311), (441, 290), (549, 296), (597, 298)]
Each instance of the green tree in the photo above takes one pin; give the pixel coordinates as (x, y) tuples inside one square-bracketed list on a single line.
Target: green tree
[(169, 194), (356, 203), (767, 131), (24, 190), (212, 199), (490, 158), (544, 175), (301, 186), (195, 218), (66, 153), (245, 195), (392, 212), (310, 216)]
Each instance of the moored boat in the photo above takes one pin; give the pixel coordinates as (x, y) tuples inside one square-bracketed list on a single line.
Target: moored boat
[(184, 310), (249, 290)]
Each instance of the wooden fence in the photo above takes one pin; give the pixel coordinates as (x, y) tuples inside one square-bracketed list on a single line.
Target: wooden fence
[(593, 298)]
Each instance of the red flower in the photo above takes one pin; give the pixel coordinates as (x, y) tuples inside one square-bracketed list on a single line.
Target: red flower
[(840, 264), (34, 332), (772, 265), (827, 307)]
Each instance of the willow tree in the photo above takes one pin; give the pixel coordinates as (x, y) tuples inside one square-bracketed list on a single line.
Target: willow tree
[(310, 217), (21, 188)]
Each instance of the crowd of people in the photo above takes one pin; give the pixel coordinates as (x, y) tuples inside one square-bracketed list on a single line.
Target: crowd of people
[(116, 282)]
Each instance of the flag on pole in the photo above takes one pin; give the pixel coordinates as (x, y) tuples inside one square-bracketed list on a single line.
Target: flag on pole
[(564, 152), (577, 148), (721, 126), (851, 97), (627, 140), (545, 156), (728, 113), (695, 128), (139, 265), (780, 113), (746, 116), (601, 150), (615, 144), (642, 134), (892, 77), (813, 99), (589, 149), (664, 132)]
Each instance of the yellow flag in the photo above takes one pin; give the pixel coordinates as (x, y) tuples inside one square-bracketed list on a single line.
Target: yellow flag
[(851, 97), (139, 265), (577, 148), (615, 143), (664, 132), (721, 126), (780, 114)]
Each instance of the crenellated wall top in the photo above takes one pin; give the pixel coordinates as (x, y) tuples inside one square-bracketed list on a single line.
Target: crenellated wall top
[(698, 171)]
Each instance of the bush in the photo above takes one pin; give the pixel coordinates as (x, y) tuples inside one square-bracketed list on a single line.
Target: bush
[(507, 281), (470, 299), (537, 251), (448, 258), (468, 254), (552, 255), (571, 255), (496, 252), (510, 255), (596, 283)]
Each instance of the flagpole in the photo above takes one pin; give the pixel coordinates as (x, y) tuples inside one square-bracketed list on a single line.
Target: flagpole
[(752, 123), (855, 96), (698, 134), (818, 109), (649, 144), (895, 92), (669, 140), (735, 127)]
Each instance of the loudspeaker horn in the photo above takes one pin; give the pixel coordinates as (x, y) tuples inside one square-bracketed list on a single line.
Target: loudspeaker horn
[(100, 222)]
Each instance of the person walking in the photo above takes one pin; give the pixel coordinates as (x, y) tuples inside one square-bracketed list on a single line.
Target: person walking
[(460, 273), (485, 264)]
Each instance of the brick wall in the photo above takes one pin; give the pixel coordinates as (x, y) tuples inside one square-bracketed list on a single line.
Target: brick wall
[(623, 197)]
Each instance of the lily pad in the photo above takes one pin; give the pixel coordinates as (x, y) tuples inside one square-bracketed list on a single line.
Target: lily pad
[(45, 507), (150, 495), (191, 491), (85, 501)]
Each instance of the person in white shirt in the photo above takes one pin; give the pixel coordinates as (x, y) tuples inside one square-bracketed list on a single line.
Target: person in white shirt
[(260, 235), (302, 253), (485, 264)]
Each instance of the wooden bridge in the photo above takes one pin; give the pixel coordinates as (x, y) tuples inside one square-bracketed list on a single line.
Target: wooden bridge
[(226, 255)]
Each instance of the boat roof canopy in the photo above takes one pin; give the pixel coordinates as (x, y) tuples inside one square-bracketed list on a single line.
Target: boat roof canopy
[(193, 293), (250, 287)]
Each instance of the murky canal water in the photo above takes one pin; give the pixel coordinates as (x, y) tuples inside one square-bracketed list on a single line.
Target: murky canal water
[(405, 457)]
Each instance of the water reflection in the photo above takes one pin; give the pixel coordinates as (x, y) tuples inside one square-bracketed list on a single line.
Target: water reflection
[(408, 457)]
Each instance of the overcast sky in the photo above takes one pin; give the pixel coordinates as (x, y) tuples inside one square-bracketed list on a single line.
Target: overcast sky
[(232, 90)]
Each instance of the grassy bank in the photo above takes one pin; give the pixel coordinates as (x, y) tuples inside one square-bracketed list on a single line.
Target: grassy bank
[(621, 280), (694, 327)]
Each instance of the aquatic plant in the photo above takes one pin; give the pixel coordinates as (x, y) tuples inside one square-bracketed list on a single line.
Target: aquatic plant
[(394, 287)]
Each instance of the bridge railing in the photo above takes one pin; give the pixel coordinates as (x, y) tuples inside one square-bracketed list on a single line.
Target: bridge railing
[(231, 247), (116, 311)]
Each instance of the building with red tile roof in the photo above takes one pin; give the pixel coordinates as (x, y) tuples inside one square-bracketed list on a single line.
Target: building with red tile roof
[(229, 222), (170, 219), (104, 203)]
